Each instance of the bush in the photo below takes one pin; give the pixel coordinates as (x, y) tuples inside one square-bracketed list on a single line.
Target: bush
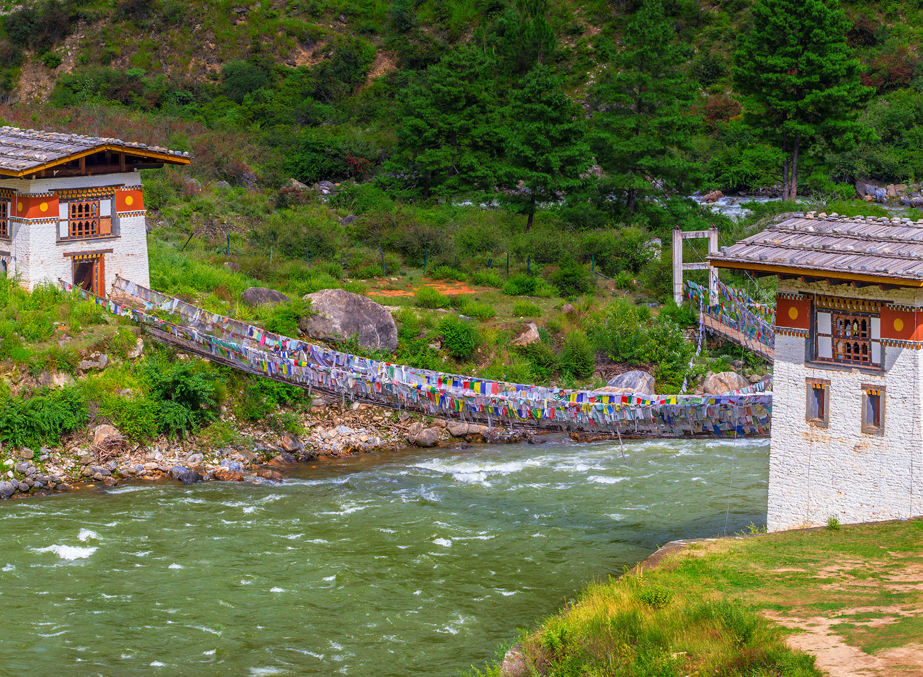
[(488, 278), (138, 418), (577, 357), (185, 392), (240, 78), (446, 273), (572, 280), (520, 285), (526, 309), (42, 418), (541, 358), (427, 297), (459, 338), (472, 308)]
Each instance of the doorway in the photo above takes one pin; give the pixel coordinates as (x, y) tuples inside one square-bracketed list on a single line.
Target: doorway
[(89, 275)]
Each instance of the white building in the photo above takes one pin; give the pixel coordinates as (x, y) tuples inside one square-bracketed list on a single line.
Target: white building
[(847, 420), (72, 207)]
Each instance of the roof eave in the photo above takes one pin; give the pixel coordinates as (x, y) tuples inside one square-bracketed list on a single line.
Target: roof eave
[(814, 272), (162, 157)]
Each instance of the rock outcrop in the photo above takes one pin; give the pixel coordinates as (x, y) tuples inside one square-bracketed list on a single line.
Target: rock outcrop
[(340, 314), (261, 296), (630, 383)]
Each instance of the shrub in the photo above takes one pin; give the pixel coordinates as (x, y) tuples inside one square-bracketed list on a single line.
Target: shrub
[(541, 358), (446, 273), (572, 280), (185, 393), (526, 309), (42, 418), (459, 338), (488, 278), (478, 309), (427, 297), (138, 418), (520, 285), (577, 357), (656, 597), (51, 60), (241, 78)]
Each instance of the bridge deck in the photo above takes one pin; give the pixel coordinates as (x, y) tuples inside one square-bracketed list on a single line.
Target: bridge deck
[(723, 330)]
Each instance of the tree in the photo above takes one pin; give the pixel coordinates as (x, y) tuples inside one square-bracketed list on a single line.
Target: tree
[(546, 150), (523, 36), (448, 134), (799, 79), (642, 124)]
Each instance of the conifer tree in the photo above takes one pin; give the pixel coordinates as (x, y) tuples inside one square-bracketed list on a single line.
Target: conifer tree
[(448, 135), (642, 122), (545, 149), (799, 79)]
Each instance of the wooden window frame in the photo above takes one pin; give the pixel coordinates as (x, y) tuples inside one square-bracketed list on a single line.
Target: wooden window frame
[(869, 427), (846, 337), (812, 385), (6, 229)]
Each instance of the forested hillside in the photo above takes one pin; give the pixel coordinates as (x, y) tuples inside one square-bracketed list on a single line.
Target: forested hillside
[(520, 146)]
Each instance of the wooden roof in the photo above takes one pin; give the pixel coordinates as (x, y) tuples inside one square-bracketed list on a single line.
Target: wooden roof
[(26, 151), (876, 250)]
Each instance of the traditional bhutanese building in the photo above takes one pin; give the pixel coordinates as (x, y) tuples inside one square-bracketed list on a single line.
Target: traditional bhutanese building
[(72, 207), (847, 419)]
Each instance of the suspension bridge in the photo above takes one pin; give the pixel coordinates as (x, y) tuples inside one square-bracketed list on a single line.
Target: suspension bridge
[(512, 406)]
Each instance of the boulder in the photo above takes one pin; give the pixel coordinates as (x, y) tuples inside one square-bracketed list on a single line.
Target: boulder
[(881, 195), (296, 184), (261, 296), (632, 382), (458, 428), (429, 437), (185, 475), (283, 460), (222, 185), (270, 474), (529, 336), (724, 382), (340, 314), (26, 454), (568, 309), (346, 220), (101, 432), (192, 186), (713, 197), (230, 265), (7, 489), (226, 475), (291, 444)]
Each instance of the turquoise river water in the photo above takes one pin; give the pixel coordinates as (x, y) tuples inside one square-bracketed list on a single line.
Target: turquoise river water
[(417, 562)]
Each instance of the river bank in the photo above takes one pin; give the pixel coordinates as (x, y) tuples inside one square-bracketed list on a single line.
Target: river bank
[(835, 601), (258, 453)]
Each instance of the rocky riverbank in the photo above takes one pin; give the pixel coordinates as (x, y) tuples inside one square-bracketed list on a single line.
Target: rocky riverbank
[(104, 456)]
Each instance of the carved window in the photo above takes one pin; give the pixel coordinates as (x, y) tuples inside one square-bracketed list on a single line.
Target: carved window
[(4, 220), (848, 337), (83, 219)]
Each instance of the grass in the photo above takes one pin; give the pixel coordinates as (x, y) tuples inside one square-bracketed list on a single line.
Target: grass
[(705, 610)]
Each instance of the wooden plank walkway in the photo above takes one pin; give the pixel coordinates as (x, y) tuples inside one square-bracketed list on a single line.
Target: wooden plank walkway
[(724, 331)]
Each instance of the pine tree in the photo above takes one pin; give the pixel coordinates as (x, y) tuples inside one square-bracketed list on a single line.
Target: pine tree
[(642, 124), (448, 135), (545, 149), (799, 79)]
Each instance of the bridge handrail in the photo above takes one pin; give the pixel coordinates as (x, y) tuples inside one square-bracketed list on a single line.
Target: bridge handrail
[(741, 414), (736, 310)]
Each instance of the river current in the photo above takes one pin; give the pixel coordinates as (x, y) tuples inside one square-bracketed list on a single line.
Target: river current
[(417, 562)]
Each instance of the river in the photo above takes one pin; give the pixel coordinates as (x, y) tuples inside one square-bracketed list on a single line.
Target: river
[(416, 562)]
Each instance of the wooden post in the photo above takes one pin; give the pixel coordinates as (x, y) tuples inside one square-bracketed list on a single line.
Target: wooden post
[(678, 265), (712, 271)]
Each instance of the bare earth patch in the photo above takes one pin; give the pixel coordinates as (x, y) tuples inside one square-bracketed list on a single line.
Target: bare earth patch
[(818, 636)]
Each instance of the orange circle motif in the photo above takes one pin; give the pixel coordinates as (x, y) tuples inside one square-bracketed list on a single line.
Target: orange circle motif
[(793, 313), (19, 206), (129, 200), (898, 324), (43, 206)]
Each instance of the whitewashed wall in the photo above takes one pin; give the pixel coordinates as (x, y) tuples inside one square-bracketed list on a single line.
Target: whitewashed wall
[(38, 256), (818, 472)]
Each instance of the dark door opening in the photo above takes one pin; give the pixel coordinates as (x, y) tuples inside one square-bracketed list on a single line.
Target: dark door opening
[(84, 274)]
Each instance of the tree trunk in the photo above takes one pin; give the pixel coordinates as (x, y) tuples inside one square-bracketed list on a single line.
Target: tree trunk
[(793, 182), (531, 213), (630, 201)]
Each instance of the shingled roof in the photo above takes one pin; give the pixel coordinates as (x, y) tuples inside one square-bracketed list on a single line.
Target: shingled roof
[(25, 151), (877, 250)]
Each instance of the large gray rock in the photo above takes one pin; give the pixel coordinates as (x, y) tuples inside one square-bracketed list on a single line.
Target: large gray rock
[(7, 489), (261, 296), (528, 337), (339, 314), (724, 382), (428, 437), (631, 382), (185, 475)]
